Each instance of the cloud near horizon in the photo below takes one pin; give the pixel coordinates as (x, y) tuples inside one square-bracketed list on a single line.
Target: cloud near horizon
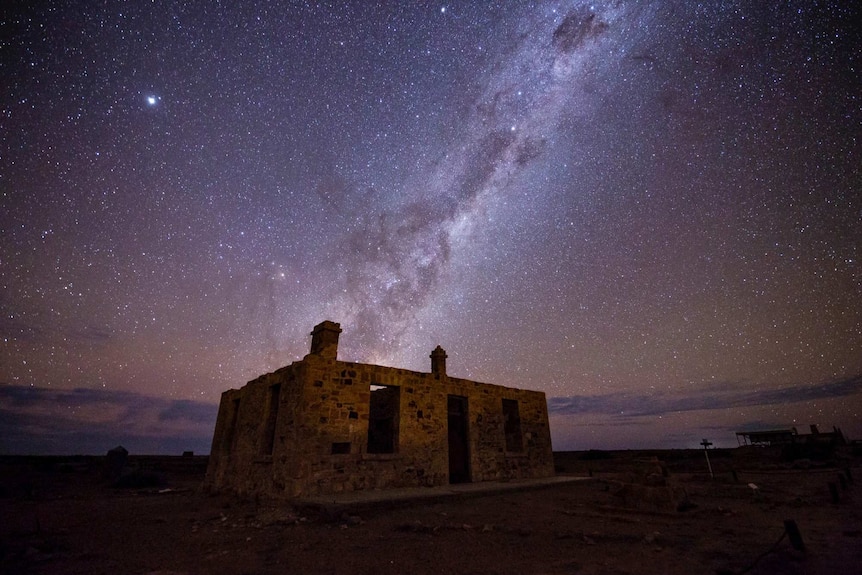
[(46, 421), (680, 420), (717, 397)]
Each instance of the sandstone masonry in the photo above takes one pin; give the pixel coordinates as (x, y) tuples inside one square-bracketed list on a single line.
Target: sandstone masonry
[(320, 426)]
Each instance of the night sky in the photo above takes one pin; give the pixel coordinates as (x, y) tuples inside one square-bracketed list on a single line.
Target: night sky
[(650, 211)]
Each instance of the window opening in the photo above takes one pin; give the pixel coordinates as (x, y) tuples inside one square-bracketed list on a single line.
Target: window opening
[(383, 418), (512, 425), (230, 434), (271, 418)]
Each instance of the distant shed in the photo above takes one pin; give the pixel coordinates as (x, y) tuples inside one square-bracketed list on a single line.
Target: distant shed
[(769, 437), (791, 436)]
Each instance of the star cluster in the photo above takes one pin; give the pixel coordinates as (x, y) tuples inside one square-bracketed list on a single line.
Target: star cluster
[(650, 211)]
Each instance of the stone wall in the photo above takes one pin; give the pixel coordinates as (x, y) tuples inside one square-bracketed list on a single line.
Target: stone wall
[(304, 430)]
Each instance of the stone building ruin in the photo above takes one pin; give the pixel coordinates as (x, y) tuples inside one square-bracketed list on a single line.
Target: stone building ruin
[(321, 426)]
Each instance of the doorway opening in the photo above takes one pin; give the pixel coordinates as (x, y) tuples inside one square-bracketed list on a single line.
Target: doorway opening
[(459, 443)]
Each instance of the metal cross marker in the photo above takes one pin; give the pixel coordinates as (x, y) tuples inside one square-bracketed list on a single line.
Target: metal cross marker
[(706, 445)]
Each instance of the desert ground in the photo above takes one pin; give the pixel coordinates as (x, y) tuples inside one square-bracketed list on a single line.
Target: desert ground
[(632, 512)]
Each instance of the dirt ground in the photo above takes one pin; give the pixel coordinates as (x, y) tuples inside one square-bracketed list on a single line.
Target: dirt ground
[(60, 515)]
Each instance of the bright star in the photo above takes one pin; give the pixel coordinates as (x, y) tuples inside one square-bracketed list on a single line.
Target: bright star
[(153, 100)]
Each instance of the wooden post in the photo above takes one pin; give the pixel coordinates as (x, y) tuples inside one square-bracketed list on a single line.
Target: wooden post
[(706, 445)]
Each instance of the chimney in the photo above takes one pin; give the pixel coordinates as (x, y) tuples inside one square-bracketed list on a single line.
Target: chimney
[(814, 429), (438, 361), (324, 339)]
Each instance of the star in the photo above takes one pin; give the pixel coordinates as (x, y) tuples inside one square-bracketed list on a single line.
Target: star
[(153, 100)]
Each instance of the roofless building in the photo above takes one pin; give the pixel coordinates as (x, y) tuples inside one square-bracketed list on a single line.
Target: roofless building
[(320, 426)]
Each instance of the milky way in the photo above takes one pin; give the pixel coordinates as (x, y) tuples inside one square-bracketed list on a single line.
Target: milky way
[(649, 211)]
